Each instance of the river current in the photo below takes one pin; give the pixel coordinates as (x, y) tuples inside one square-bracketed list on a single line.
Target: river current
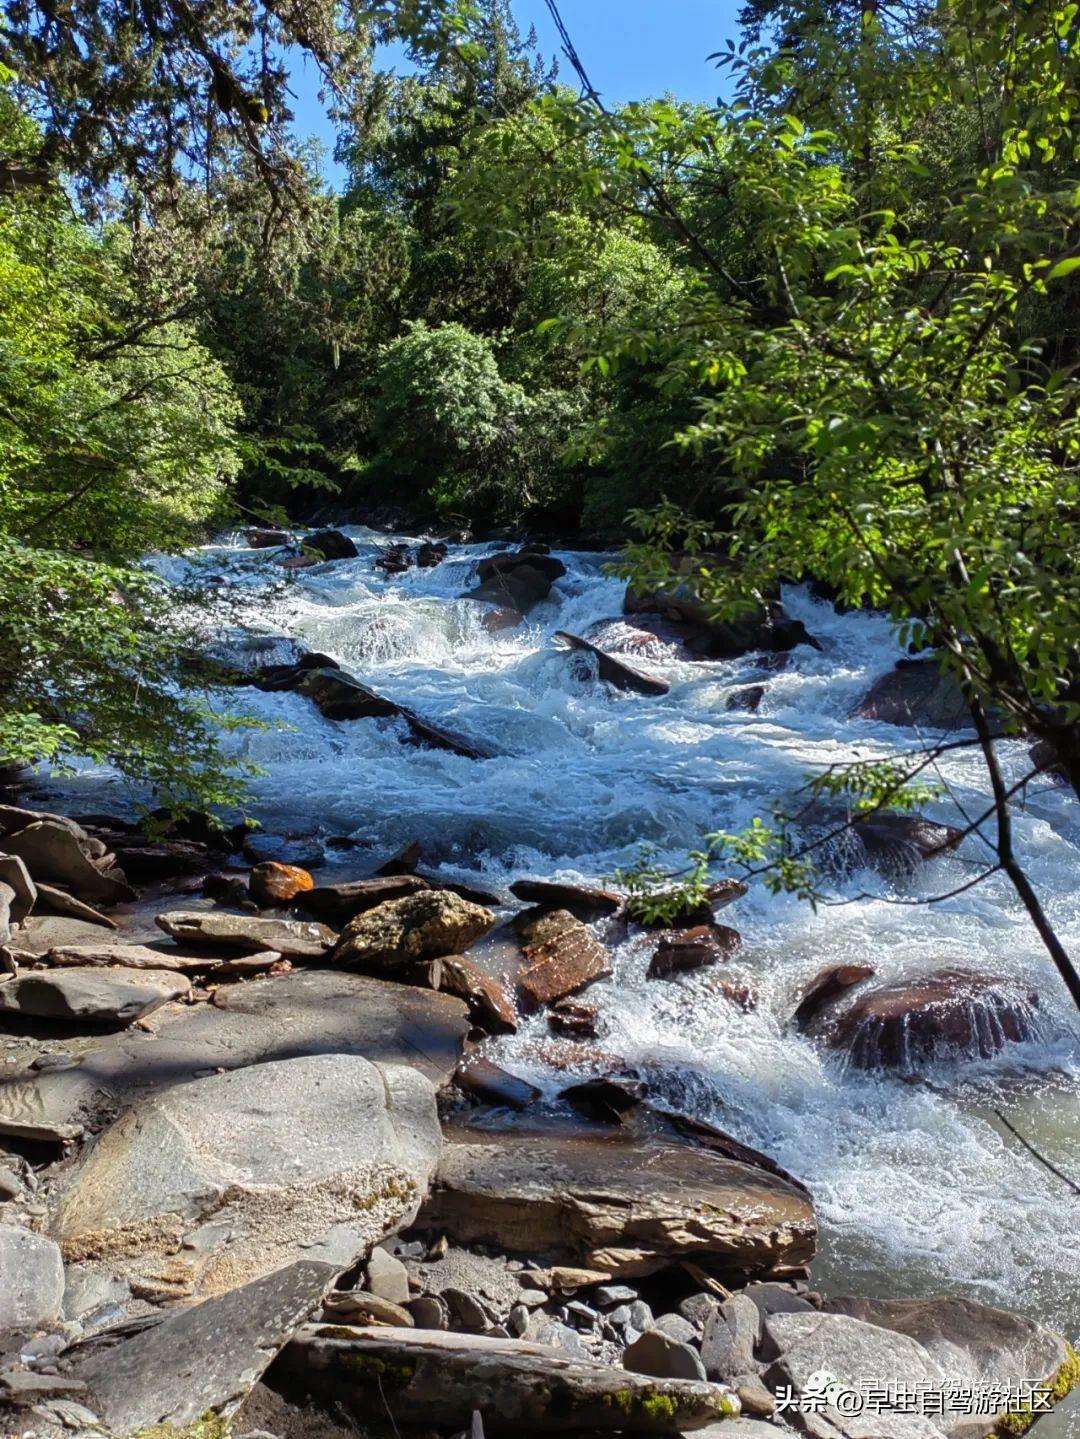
[(919, 1187)]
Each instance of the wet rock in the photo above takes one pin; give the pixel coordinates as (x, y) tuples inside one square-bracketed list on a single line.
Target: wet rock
[(659, 1354), (489, 1001), (16, 876), (739, 992), (278, 884), (431, 553), (418, 927), (615, 1203), (90, 995), (561, 958), (306, 853), (684, 951), (295, 939), (607, 1097), (516, 581), (338, 696), (267, 539), (500, 618), (55, 853), (51, 900), (581, 900), (151, 863), (331, 545), (492, 1085), (574, 1020), (903, 840), (31, 1279), (440, 1380), (916, 692), (338, 903), (767, 627), (747, 698), (912, 1023), (394, 560), (201, 1360), (615, 672), (826, 987), (323, 1155)]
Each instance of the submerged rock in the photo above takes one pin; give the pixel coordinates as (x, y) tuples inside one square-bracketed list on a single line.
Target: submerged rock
[(419, 926), (615, 1203), (826, 987), (912, 1023), (615, 672), (438, 1379)]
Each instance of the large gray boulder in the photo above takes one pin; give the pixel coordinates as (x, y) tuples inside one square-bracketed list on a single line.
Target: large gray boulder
[(292, 938), (31, 1279), (419, 926), (438, 1380), (615, 1203), (321, 1156), (975, 1344), (13, 872), (202, 1360), (91, 996)]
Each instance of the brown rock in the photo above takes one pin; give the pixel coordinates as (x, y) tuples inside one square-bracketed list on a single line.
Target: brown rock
[(827, 985), (338, 903), (581, 900), (574, 1020), (615, 672), (608, 1200), (683, 951), (911, 1023), (916, 692), (493, 1085), (562, 957), (276, 884), (490, 1004)]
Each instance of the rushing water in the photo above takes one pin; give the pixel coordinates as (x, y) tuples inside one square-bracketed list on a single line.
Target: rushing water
[(918, 1186)]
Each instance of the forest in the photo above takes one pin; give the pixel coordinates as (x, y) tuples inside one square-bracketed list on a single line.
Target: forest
[(626, 509)]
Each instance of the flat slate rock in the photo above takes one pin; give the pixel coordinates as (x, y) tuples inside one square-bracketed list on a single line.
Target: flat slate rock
[(42, 932), (338, 903), (615, 1203), (51, 900), (438, 1379), (582, 900), (91, 996), (108, 953), (292, 938), (323, 1155), (49, 1106), (205, 1359)]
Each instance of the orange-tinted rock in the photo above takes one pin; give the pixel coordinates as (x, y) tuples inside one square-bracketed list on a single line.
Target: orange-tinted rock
[(273, 883), (561, 958), (685, 950), (827, 985), (489, 1001)]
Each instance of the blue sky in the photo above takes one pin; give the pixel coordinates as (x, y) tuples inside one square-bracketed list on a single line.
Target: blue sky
[(631, 48)]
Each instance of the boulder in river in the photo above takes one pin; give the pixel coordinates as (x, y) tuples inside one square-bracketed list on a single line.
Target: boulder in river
[(825, 987), (490, 1004), (89, 995), (516, 580), (765, 627), (331, 545), (419, 926), (338, 903), (613, 671), (266, 539), (916, 692), (317, 1157), (683, 951), (912, 1023), (890, 842), (561, 957), (428, 1378), (610, 1201), (293, 938), (582, 900)]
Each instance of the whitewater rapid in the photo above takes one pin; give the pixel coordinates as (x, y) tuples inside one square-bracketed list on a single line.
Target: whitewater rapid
[(918, 1187)]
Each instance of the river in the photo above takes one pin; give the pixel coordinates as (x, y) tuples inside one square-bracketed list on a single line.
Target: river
[(918, 1186)]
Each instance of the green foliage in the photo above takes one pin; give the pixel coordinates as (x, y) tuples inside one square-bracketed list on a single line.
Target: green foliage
[(107, 449)]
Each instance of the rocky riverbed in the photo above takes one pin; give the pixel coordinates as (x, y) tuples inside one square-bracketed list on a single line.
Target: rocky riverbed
[(378, 1122)]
